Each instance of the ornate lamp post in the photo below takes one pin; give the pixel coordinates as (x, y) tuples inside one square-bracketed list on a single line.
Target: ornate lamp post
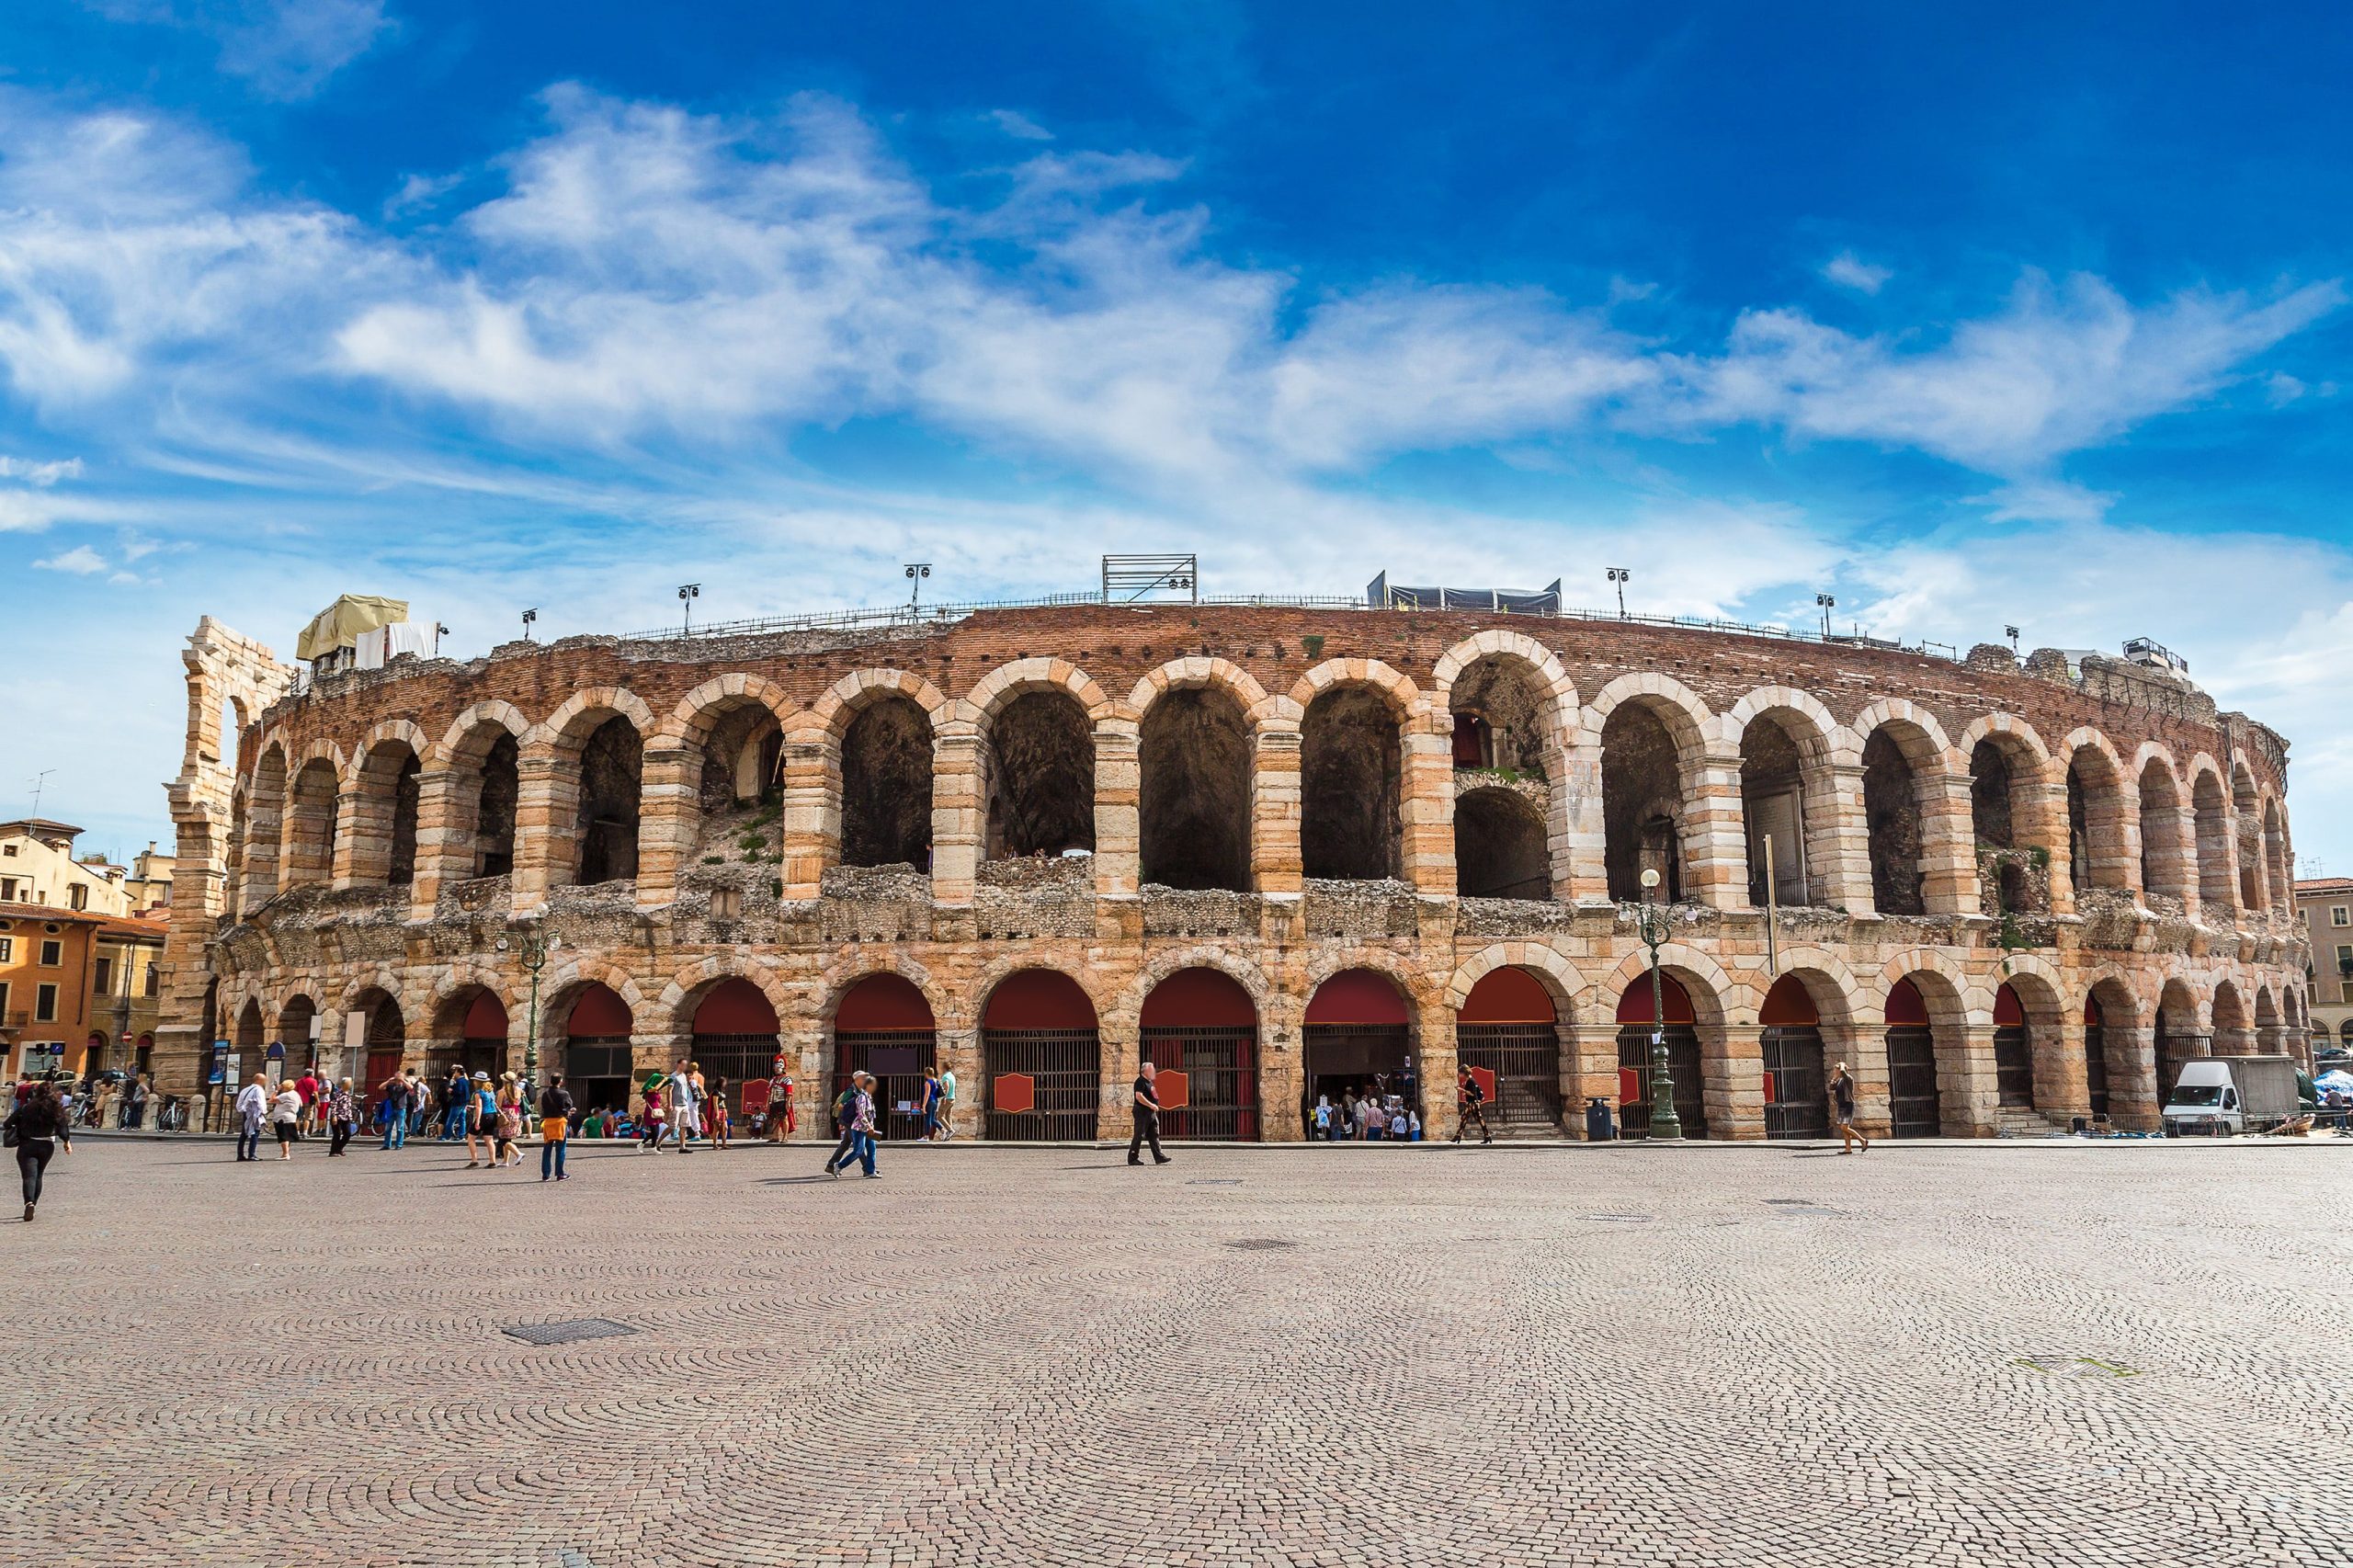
[(1665, 1126), (535, 959)]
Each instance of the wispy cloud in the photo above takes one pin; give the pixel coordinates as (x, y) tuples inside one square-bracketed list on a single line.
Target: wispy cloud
[(1851, 272)]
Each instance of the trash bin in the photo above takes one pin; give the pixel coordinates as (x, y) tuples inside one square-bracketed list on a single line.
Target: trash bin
[(1597, 1128)]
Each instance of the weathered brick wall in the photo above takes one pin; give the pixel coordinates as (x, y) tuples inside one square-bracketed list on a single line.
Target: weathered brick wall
[(803, 927)]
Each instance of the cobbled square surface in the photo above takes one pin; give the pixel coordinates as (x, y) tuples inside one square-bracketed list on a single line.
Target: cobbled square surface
[(1023, 1356)]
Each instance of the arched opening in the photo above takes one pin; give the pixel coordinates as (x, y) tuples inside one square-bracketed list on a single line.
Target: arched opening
[(735, 1037), (1642, 799), (2212, 814), (1358, 1040), (612, 787), (1780, 781), (469, 1031), (1201, 1024), (1502, 717), (383, 835), (1043, 1057), (739, 787), (1638, 1020), (310, 825), (1351, 773), (1193, 800), (1892, 817), (1500, 848), (886, 785), (597, 1061), (1508, 1034), (2247, 810), (883, 1026), (1915, 1104), (2095, 1056), (1040, 777), (2096, 822), (2164, 857), (265, 821), (2013, 1050), (299, 1031), (1797, 1084)]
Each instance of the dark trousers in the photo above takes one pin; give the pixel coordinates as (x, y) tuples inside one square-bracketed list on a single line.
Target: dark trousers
[(341, 1136), (1147, 1132), (32, 1158)]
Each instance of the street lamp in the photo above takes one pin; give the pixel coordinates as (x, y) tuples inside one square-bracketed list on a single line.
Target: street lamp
[(535, 959), (1665, 1126)]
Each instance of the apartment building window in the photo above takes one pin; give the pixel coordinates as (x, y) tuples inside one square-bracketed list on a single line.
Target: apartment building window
[(101, 977), (45, 1004), (77, 897), (51, 954)]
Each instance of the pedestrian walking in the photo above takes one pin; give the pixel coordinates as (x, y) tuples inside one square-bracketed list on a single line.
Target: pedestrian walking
[(555, 1126), (252, 1110), (1842, 1111), (855, 1108), (39, 1126), (342, 1117), (507, 1124), (286, 1118), (716, 1109), (1470, 1105), (1147, 1116)]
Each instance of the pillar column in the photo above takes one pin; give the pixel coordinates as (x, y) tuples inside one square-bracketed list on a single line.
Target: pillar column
[(1275, 865), (813, 818), (1425, 803), (1118, 827), (956, 783), (670, 814), (1715, 839)]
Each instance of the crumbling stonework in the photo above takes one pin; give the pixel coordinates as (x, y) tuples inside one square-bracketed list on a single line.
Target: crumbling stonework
[(807, 810)]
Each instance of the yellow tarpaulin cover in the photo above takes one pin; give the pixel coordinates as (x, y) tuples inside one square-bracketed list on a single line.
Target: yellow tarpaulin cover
[(340, 624)]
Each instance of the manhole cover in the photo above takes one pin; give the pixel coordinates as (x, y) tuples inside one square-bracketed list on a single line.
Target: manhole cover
[(1260, 1244), (566, 1332)]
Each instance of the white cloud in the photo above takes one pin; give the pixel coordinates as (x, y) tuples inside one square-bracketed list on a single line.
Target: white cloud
[(1851, 272), (288, 49), (82, 561), (40, 475)]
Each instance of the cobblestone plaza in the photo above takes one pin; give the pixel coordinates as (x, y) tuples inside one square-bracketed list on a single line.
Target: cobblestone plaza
[(1942, 1353)]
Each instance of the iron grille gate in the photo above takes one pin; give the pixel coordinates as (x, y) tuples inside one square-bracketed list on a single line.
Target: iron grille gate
[(2096, 1067), (1682, 1063), (1797, 1090), (2014, 1066), (1066, 1071), (1914, 1109), (1526, 1060), (1220, 1068), (898, 1058), (739, 1057)]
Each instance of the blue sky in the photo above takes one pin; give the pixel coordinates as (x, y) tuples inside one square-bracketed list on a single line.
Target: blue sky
[(2033, 314)]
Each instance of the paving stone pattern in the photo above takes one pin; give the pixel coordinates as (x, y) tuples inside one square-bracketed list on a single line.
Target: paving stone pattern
[(1039, 1356)]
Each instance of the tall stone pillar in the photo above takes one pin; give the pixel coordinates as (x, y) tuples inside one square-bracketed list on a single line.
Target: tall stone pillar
[(669, 815), (957, 781), (813, 812), (1425, 803), (1274, 865), (1118, 825)]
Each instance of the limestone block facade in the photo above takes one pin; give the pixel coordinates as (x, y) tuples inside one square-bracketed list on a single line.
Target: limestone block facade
[(1397, 842)]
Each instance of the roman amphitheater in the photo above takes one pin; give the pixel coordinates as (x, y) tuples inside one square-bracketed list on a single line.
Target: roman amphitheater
[(1279, 848)]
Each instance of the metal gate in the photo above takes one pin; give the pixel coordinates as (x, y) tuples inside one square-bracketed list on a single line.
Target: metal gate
[(738, 1058), (1526, 1061), (2096, 1067), (2014, 1066), (1682, 1063), (898, 1058), (1064, 1073), (1797, 1090), (1914, 1108), (1220, 1068)]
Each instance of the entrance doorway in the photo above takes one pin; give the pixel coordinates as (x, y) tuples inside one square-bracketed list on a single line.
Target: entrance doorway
[(1681, 1030), (1200, 1023), (1358, 1040), (1796, 1085), (1043, 1058), (884, 1025), (1508, 1035), (1915, 1107)]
